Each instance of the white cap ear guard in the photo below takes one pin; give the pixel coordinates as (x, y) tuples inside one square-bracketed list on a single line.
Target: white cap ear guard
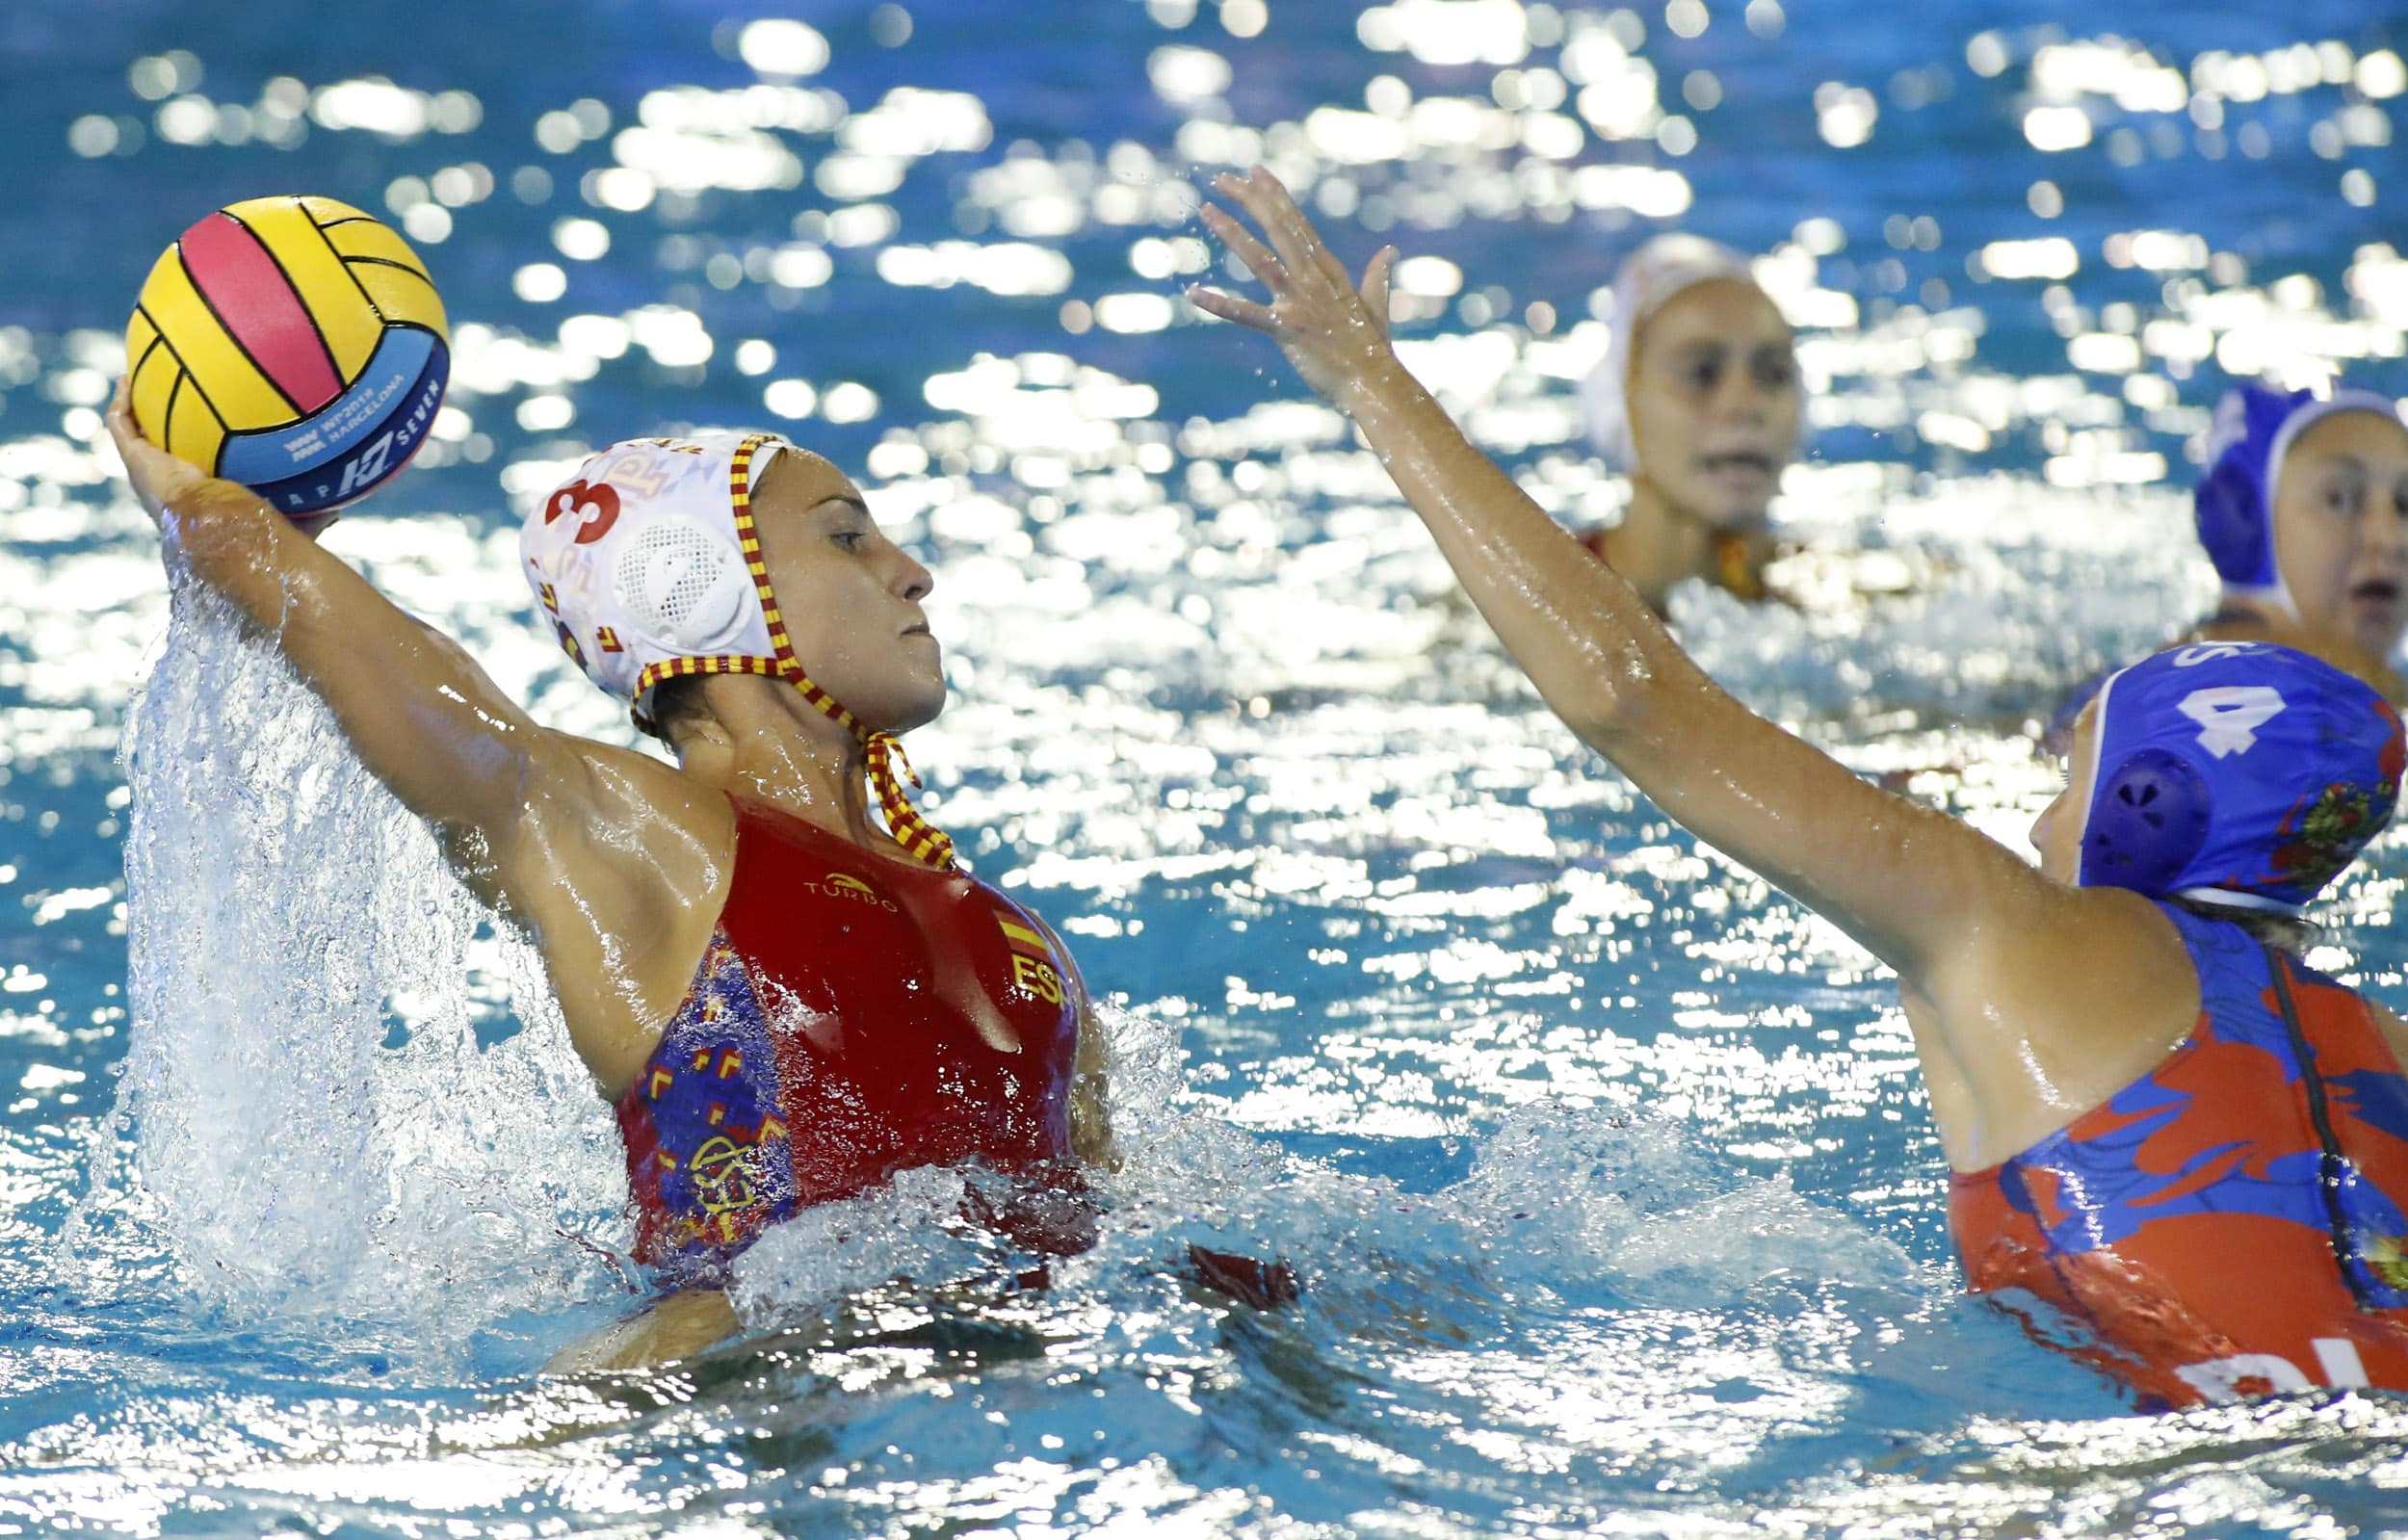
[(679, 586)]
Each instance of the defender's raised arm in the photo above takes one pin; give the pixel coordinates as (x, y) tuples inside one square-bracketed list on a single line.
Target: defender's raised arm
[(1900, 878), (2162, 1122)]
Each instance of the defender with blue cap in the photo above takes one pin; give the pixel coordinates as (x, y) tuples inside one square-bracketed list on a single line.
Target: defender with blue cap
[(2166, 1132), (2304, 511), (2230, 782), (2255, 428)]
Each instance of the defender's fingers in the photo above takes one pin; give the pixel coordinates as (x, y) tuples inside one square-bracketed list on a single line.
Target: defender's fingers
[(1377, 275), (1256, 256), (1229, 307), (1259, 194), (1293, 212), (1291, 232)]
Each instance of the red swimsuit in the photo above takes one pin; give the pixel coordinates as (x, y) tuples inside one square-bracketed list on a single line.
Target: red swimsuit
[(855, 1014)]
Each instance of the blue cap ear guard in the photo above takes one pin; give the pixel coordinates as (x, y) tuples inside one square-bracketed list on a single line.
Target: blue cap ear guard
[(2147, 823), (2237, 772), (2232, 506)]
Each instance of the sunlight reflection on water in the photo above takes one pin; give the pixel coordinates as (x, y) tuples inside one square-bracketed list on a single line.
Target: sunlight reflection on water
[(1605, 1165)]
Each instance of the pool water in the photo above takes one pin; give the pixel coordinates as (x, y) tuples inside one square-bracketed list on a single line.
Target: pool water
[(1604, 1167)]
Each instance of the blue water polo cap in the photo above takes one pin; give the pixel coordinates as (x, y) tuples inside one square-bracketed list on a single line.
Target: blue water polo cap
[(2233, 506), (2237, 773)]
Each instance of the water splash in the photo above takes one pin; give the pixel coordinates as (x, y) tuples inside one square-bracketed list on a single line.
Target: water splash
[(325, 1117), (1577, 1201)]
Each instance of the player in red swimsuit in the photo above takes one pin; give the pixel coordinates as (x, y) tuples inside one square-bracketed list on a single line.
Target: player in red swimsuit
[(854, 1014), (774, 967), (2170, 1136)]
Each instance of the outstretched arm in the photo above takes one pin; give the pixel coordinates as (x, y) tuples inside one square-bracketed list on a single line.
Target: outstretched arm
[(1915, 887), (421, 715)]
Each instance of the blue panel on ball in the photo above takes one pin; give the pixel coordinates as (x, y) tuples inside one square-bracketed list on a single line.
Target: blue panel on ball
[(346, 423), (376, 452)]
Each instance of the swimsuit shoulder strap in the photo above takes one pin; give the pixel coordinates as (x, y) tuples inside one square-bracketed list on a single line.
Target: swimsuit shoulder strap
[(2234, 968)]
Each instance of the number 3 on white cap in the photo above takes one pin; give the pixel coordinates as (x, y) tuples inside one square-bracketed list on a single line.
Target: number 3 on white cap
[(2228, 715)]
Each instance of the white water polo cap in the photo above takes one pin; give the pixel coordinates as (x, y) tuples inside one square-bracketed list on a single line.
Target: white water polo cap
[(648, 567), (641, 563), (1651, 277)]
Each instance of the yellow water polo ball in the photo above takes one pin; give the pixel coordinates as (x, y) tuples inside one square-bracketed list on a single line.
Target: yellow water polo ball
[(295, 345)]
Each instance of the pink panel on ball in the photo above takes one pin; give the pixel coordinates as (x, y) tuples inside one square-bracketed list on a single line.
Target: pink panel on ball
[(251, 294)]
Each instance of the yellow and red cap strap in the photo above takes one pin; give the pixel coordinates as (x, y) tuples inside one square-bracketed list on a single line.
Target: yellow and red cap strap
[(925, 842)]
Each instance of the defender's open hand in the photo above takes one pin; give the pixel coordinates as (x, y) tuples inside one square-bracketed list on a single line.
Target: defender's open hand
[(1335, 333)]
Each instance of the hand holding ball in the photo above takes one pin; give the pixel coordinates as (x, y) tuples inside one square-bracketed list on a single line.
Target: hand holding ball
[(295, 345)]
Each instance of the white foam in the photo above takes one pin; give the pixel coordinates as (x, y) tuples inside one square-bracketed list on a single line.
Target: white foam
[(286, 914), (1640, 1201), (1556, 1196), (909, 1230)]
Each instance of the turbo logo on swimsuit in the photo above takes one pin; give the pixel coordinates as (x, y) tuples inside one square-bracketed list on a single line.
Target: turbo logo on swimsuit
[(722, 1173), (840, 885)]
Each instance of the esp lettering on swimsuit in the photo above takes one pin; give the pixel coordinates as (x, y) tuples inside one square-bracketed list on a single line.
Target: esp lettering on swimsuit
[(1031, 959), (1037, 978)]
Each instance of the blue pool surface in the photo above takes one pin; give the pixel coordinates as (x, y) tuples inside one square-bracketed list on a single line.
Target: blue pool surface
[(1604, 1167)]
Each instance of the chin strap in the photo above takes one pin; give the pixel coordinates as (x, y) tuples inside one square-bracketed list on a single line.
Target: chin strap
[(1732, 569), (914, 833), (889, 769), (888, 766)]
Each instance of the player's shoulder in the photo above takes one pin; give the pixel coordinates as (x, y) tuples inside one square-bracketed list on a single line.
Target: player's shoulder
[(612, 797)]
